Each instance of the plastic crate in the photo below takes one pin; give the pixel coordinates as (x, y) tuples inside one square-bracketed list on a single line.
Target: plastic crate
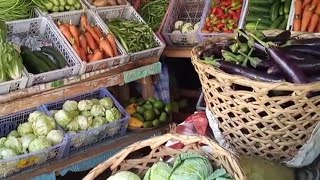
[(44, 13), (291, 17), (25, 162), (130, 13), (201, 104), (75, 16), (80, 141), (89, 4), (42, 26), (187, 11), (13, 85), (206, 12)]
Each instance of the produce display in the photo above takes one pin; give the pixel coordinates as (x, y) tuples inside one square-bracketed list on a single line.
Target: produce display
[(223, 16), (14, 10), (88, 41), (149, 113), (86, 114), (187, 166), (134, 35), (269, 14), (104, 3), (306, 16), (58, 5), (266, 58), (153, 12), (182, 27), (38, 133), (11, 66)]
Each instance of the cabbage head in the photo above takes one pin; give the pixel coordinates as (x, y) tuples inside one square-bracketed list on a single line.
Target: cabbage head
[(98, 121), (43, 125), (106, 102), (13, 133), (6, 153), (55, 136), (86, 113), (74, 114), (97, 110), (113, 114), (70, 106), (73, 126), (53, 112), (25, 128), (85, 105), (2, 140), (191, 166), (39, 144), (84, 122), (63, 118), (95, 101), (158, 171), (26, 140), (124, 175), (33, 116), (13, 143)]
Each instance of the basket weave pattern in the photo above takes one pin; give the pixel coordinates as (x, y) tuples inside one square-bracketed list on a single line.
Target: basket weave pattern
[(255, 122), (121, 161)]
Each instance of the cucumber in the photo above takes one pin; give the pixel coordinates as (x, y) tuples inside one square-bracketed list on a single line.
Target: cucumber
[(281, 10), (275, 10), (261, 2), (283, 24), (277, 22), (57, 56), (259, 9), (46, 59), (32, 62), (260, 26), (287, 5), (263, 20)]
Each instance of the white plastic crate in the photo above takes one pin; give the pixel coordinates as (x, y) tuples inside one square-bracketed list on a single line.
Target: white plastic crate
[(43, 13), (187, 11), (36, 26), (13, 85), (25, 162), (75, 16), (130, 13), (89, 4)]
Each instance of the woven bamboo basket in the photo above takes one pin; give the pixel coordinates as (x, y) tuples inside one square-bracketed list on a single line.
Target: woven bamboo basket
[(122, 161), (252, 121)]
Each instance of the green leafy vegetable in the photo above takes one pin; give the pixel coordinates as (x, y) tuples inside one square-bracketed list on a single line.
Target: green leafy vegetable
[(158, 171)]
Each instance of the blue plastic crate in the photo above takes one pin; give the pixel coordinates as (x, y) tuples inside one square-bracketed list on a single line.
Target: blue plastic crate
[(82, 140), (201, 104), (25, 162)]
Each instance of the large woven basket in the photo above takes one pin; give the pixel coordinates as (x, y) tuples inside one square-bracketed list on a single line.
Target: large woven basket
[(255, 123), (122, 160)]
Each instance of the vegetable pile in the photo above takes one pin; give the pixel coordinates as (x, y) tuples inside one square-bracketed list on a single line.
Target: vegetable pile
[(86, 114), (38, 133), (271, 14), (88, 41), (11, 66), (259, 57), (185, 27), (103, 3), (187, 166), (306, 16), (153, 12), (223, 16), (58, 5), (14, 10), (134, 35)]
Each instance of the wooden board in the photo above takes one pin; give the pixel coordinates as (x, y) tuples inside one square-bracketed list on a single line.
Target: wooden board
[(177, 52)]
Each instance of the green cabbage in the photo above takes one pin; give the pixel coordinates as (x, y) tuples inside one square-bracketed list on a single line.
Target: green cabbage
[(55, 136), (191, 166), (85, 105), (73, 126), (98, 121), (33, 116), (26, 140), (106, 102), (97, 110), (13, 133), (70, 106), (113, 114), (95, 101), (43, 125), (6, 152), (86, 113), (124, 175), (11, 61), (63, 118), (84, 122), (25, 128), (39, 144), (158, 171), (74, 114), (13, 143), (2, 140)]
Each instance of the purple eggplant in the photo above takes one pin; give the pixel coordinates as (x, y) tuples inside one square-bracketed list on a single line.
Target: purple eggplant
[(281, 38), (308, 66), (232, 68), (303, 42), (311, 50), (301, 56), (293, 73)]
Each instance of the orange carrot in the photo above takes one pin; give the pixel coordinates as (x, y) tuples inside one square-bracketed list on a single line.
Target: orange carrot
[(66, 32), (97, 55), (90, 41), (298, 7), (314, 3), (93, 33), (106, 48), (306, 17), (296, 24), (84, 22), (83, 55), (83, 42), (305, 2), (89, 56), (97, 30), (313, 22), (113, 44), (75, 33), (318, 9)]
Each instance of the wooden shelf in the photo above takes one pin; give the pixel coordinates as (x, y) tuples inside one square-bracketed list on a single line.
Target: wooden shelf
[(177, 52)]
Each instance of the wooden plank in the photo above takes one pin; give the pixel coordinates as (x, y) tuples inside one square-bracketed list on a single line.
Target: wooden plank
[(130, 138), (177, 52)]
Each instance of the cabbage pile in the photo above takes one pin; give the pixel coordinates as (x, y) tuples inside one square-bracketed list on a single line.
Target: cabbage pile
[(188, 166), (86, 114), (38, 133)]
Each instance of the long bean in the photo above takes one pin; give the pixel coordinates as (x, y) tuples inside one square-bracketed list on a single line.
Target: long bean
[(153, 13), (15, 9)]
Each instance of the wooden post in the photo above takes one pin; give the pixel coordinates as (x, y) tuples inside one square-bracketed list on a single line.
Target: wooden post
[(147, 87)]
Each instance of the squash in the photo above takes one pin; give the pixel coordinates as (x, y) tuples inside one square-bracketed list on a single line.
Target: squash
[(134, 122), (132, 108)]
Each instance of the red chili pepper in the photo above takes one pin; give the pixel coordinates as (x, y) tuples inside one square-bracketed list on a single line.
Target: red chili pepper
[(229, 31), (220, 12), (226, 3), (220, 26)]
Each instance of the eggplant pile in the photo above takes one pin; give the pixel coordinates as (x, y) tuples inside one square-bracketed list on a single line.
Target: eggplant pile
[(265, 58)]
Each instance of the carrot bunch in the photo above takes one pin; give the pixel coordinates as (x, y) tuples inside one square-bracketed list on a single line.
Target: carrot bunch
[(307, 15), (88, 41)]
